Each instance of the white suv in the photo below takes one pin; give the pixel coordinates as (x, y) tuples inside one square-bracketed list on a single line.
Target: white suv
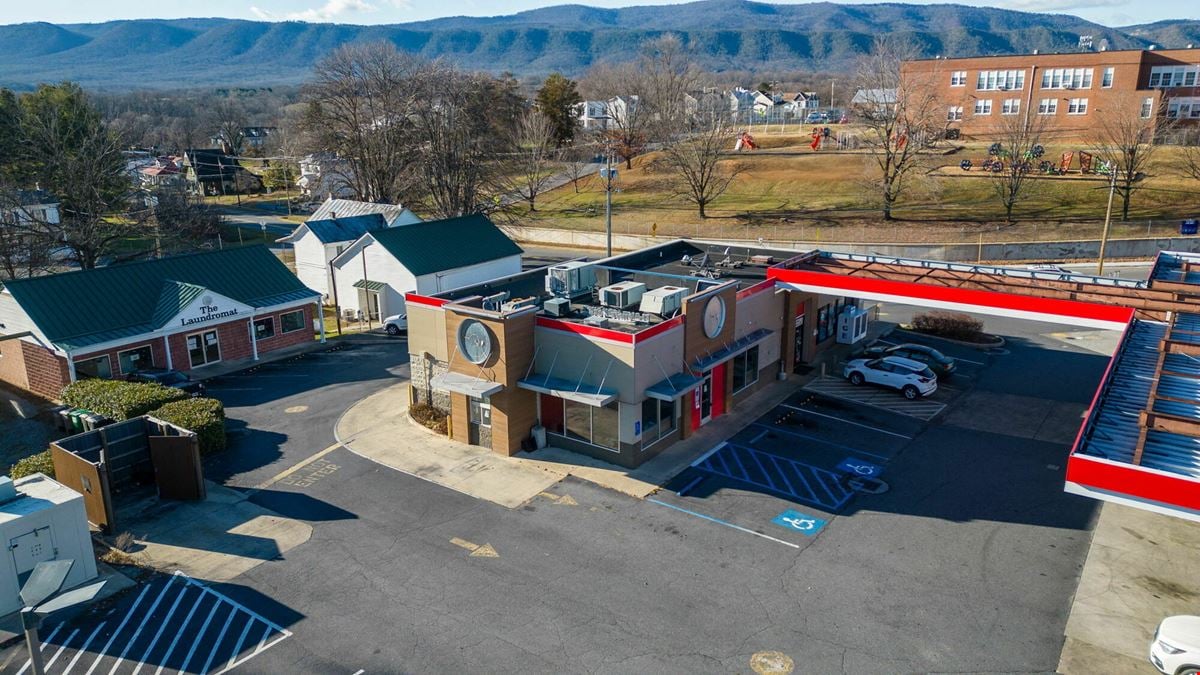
[(396, 324), (1176, 646), (913, 378)]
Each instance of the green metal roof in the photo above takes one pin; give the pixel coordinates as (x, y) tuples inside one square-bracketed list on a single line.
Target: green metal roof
[(370, 285), (439, 245), (87, 307)]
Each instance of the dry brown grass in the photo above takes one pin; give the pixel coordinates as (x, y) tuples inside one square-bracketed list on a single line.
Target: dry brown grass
[(430, 417)]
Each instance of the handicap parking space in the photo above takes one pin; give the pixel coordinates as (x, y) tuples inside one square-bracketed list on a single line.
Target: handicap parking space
[(174, 624)]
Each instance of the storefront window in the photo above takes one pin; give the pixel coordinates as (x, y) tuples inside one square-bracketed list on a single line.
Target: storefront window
[(264, 328), (745, 369), (134, 360), (578, 420), (605, 426), (823, 324), (480, 412), (97, 367), (203, 348), (658, 420), (292, 321)]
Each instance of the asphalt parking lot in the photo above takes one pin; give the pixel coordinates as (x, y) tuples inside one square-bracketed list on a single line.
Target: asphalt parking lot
[(173, 624), (966, 563)]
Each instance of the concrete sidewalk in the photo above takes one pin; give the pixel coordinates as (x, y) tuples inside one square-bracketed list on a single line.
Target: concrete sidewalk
[(216, 539), (1142, 568), (379, 428)]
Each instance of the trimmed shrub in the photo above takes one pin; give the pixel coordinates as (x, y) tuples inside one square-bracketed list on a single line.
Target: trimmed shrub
[(119, 400), (203, 416), (949, 325), (39, 463)]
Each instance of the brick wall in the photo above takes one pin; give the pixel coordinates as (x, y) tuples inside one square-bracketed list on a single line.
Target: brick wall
[(12, 364), (46, 370), (234, 337), (157, 355)]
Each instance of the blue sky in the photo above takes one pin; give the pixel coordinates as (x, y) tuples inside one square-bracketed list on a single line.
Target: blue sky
[(1108, 12)]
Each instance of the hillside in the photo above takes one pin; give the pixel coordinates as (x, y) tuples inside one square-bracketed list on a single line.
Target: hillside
[(726, 35)]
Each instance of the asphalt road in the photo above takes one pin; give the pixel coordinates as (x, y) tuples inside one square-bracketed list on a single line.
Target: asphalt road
[(968, 563)]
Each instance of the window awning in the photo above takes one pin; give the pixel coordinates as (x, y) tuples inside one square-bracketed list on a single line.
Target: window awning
[(674, 386), (580, 392), (475, 387), (377, 286), (732, 349)]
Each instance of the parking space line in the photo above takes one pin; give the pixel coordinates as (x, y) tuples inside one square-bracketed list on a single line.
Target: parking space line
[(41, 647), (217, 645), (82, 650), (775, 462), (120, 627), (722, 522), (158, 634), (237, 648), (706, 455), (141, 625), (199, 636), (763, 469), (811, 494), (61, 647), (849, 448), (178, 634), (857, 424)]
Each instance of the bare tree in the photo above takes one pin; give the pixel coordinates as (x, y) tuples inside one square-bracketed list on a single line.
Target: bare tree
[(622, 88), (1123, 136), (464, 126), (1018, 154), (534, 154), (360, 107), (24, 242), (229, 118), (1189, 155), (578, 162), (702, 173), (901, 116)]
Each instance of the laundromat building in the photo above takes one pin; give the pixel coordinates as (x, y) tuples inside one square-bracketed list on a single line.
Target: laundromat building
[(185, 313)]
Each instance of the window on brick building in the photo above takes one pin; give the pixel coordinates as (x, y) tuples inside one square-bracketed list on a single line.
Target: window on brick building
[(1147, 108), (133, 360), (1107, 79), (991, 80), (97, 367), (1048, 106), (954, 113), (983, 107), (1011, 106), (1067, 78), (292, 321), (958, 78), (264, 328), (1077, 106)]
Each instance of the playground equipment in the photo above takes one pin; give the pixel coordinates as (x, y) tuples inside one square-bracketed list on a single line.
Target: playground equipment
[(745, 142), (1032, 159)]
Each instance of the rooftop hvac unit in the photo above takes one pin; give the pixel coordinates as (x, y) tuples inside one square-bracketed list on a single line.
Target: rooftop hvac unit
[(664, 301), (519, 303), (622, 295), (571, 279), (492, 303), (557, 306)]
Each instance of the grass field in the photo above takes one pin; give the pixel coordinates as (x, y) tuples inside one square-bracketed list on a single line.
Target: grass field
[(787, 191)]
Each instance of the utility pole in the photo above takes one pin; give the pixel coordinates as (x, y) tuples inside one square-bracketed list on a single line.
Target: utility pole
[(608, 173), (1112, 188), (831, 85)]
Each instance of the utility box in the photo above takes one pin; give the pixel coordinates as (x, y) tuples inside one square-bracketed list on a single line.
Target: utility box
[(851, 325), (41, 519), (665, 301), (622, 295)]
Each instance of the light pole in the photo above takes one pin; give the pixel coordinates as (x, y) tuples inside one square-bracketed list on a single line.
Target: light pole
[(1112, 188), (40, 597), (609, 174)]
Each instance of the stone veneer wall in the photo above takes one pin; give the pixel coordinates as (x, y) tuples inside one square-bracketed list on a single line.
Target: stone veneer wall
[(421, 371)]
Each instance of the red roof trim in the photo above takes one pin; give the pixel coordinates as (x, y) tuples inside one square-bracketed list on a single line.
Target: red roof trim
[(659, 329), (963, 296), (589, 331), (756, 289), (1134, 481), (424, 300)]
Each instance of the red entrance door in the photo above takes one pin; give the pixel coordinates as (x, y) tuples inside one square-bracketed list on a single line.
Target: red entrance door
[(708, 400)]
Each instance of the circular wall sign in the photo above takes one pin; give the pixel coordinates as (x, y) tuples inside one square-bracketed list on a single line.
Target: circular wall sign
[(474, 341), (714, 316)]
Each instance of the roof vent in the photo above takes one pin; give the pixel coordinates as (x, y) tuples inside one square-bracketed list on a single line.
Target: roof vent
[(1035, 51), (8, 491)]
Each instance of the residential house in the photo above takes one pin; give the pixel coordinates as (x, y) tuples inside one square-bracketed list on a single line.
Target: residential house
[(374, 273), (593, 115), (334, 225), (212, 172), (20, 207), (325, 176), (797, 103), (164, 172), (873, 101), (252, 137)]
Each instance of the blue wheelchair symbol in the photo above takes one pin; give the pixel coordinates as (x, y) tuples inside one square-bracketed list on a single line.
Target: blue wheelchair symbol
[(799, 522), (857, 467)]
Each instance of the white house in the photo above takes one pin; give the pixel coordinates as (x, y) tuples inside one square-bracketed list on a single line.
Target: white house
[(23, 207), (332, 228), (373, 274), (325, 176), (592, 115)]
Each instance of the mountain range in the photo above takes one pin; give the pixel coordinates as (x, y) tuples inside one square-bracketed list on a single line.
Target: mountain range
[(724, 34)]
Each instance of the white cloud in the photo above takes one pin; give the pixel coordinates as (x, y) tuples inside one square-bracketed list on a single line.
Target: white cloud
[(332, 9)]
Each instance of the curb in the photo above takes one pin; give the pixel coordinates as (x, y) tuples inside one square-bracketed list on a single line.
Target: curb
[(975, 345)]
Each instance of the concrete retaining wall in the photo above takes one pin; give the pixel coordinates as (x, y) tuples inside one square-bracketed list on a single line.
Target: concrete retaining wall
[(961, 252)]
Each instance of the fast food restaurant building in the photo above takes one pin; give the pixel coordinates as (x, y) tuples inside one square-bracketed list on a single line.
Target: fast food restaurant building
[(617, 358), (185, 313)]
